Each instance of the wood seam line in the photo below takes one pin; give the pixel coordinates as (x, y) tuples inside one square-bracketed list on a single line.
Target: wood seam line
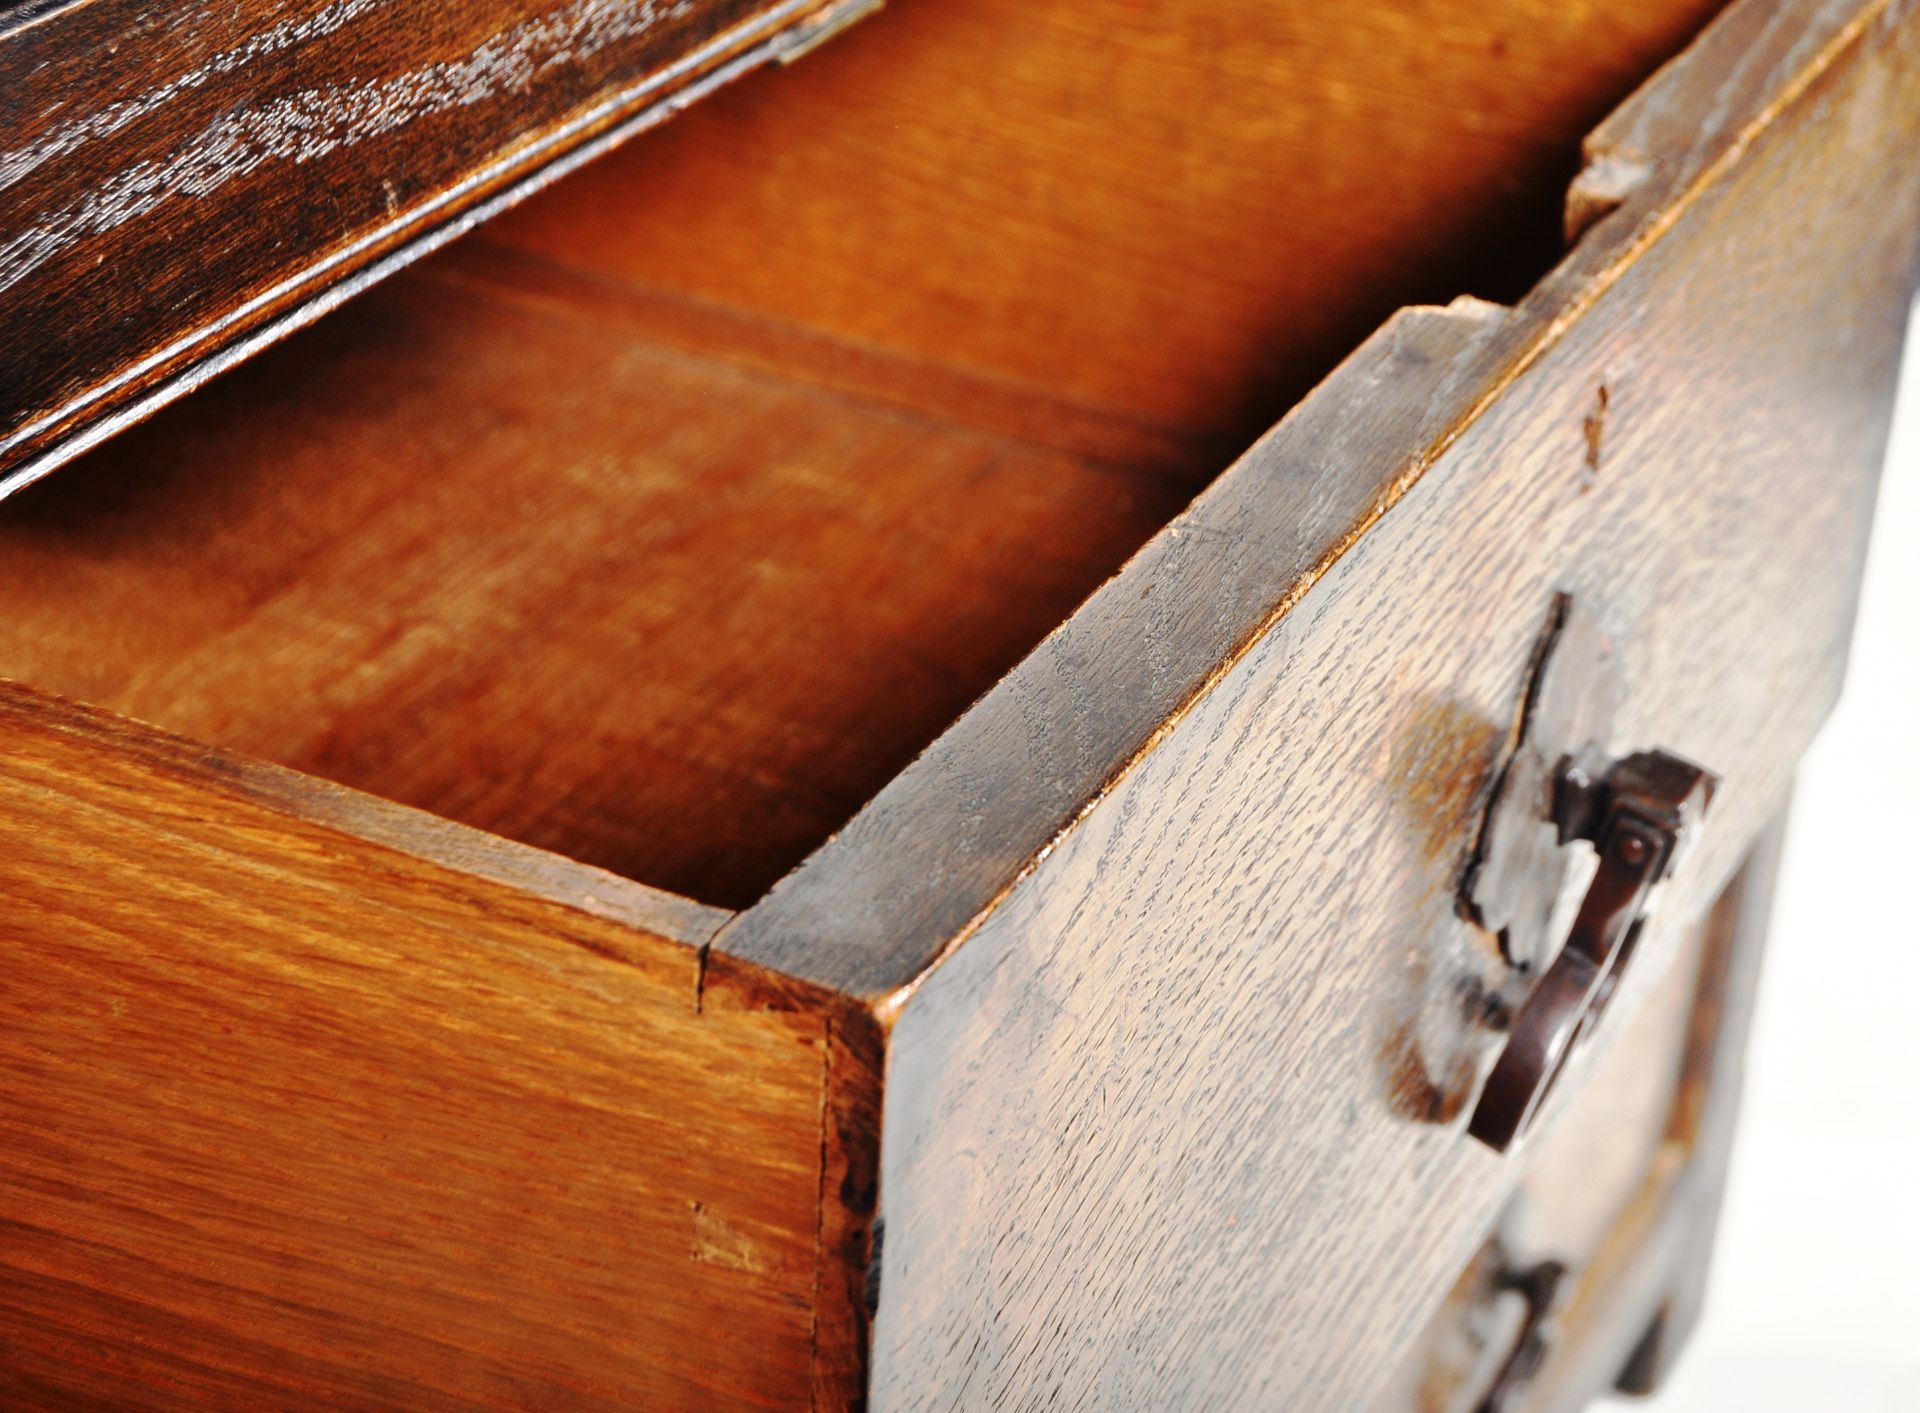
[(820, 1211), (493, 268)]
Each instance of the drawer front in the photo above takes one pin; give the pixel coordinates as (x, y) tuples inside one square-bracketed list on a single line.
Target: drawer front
[(1180, 1120), (254, 162)]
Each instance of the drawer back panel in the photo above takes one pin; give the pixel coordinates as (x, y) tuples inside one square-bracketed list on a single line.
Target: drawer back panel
[(1138, 230), (523, 569)]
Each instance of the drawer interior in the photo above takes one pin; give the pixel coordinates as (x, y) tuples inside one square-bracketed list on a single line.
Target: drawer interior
[(663, 520)]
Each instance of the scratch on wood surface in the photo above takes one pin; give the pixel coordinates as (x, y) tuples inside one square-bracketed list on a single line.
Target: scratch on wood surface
[(1595, 428), (310, 124), (720, 1243)]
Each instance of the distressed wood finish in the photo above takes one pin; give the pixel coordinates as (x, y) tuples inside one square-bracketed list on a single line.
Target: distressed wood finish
[(1644, 1290), (871, 909), (1580, 1180), (254, 162), (293, 1118), (1252, 931)]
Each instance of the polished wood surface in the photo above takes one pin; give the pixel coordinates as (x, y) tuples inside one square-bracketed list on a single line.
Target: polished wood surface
[(497, 554), (179, 184), (295, 1119)]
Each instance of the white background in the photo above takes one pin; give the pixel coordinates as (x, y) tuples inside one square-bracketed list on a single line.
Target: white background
[(1814, 1301)]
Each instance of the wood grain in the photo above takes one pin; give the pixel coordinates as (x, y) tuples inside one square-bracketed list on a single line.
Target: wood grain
[(495, 554), (295, 1119), (942, 842), (179, 186), (1198, 1066), (310, 1099), (1167, 219)]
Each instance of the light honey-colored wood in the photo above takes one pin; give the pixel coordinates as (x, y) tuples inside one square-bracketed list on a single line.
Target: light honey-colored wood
[(1166, 219), (295, 1119), (501, 556)]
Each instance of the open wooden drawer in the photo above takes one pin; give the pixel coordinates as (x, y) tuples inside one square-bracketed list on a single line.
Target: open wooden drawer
[(641, 888)]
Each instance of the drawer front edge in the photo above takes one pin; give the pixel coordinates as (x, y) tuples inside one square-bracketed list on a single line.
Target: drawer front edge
[(1178, 1123)]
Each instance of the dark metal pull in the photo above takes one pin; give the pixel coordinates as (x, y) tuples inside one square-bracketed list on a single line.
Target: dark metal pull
[(1540, 1286), (1635, 815)]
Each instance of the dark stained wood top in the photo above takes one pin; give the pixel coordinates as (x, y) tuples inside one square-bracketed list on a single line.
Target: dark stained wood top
[(180, 184)]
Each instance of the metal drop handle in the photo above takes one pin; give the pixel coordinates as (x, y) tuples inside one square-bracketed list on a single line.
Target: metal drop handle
[(1541, 1286), (1635, 814)]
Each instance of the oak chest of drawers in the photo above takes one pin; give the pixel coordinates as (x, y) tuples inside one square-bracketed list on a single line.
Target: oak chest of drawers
[(732, 793)]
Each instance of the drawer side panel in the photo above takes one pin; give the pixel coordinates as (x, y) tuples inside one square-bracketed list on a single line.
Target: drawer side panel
[(292, 1118)]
